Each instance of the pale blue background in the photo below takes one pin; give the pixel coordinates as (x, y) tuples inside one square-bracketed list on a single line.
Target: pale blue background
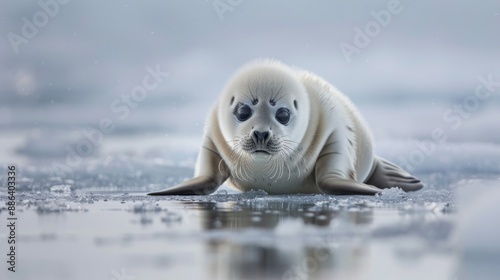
[(64, 80)]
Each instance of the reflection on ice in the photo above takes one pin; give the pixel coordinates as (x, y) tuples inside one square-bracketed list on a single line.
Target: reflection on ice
[(478, 235), (253, 235)]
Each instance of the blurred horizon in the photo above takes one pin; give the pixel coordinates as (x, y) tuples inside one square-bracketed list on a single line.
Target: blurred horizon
[(79, 64)]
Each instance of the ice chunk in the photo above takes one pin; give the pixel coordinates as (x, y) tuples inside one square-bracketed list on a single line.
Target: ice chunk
[(221, 192), (392, 195), (60, 189), (57, 207), (146, 207), (171, 217)]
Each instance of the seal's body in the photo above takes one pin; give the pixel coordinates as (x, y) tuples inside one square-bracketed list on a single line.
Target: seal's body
[(284, 130)]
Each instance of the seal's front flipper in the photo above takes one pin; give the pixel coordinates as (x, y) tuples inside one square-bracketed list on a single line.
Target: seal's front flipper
[(335, 171), (196, 186), (344, 186), (211, 172), (388, 175)]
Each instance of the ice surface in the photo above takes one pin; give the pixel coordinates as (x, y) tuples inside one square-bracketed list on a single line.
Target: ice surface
[(145, 207), (49, 207), (402, 227), (478, 230), (397, 227)]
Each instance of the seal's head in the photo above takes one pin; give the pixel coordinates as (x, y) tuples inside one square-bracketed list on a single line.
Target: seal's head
[(264, 111)]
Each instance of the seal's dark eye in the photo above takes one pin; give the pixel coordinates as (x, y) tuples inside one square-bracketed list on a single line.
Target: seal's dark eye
[(243, 113), (283, 115)]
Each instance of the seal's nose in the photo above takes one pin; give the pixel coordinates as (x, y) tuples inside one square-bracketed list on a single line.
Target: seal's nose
[(260, 137)]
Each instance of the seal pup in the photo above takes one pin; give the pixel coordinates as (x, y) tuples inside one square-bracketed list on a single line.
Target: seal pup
[(286, 131)]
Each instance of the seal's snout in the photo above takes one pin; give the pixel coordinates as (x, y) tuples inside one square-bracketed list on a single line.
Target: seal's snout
[(260, 137)]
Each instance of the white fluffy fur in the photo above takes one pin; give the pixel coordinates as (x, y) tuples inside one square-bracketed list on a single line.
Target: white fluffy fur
[(325, 123)]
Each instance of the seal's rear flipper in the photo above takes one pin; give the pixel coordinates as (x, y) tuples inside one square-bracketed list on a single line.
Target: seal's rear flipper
[(346, 187), (388, 175), (197, 186)]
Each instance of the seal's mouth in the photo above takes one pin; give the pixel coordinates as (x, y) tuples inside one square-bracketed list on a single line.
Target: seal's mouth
[(261, 152)]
